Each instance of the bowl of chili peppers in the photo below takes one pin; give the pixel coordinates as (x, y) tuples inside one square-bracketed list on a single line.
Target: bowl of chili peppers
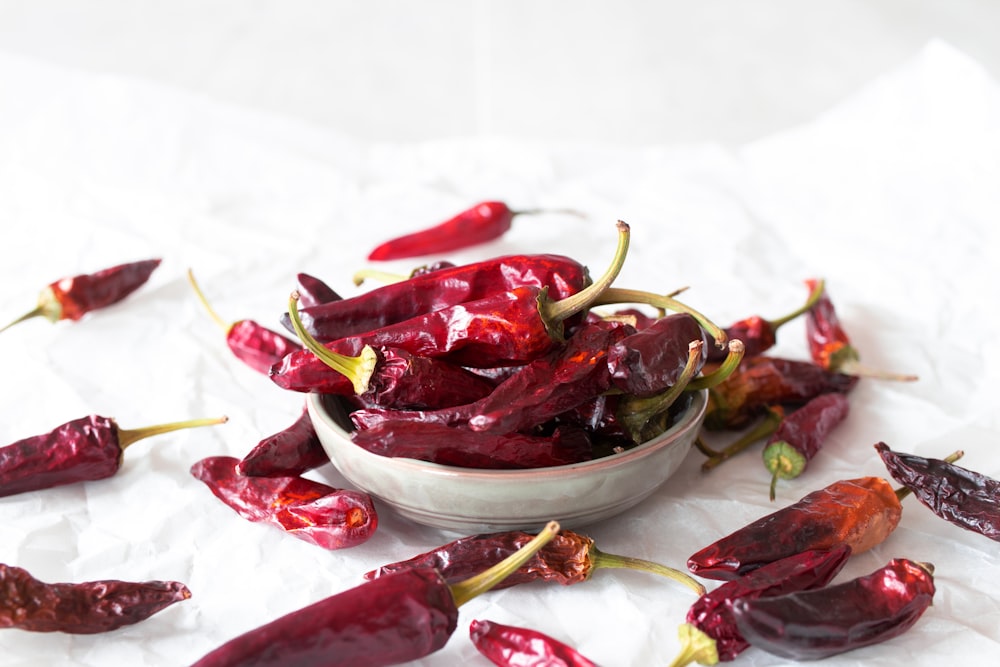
[(469, 499)]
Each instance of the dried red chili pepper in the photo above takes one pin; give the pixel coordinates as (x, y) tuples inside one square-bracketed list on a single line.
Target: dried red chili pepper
[(289, 452), (958, 495), (801, 434), (83, 608), (816, 624), (512, 646), (252, 343), (73, 297), (394, 619), (486, 221), (711, 629), (569, 558), (84, 449), (858, 512), (313, 291), (309, 510), (429, 291), (651, 359)]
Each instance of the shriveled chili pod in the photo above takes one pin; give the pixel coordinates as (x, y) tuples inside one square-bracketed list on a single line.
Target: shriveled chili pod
[(309, 510), (816, 624), (486, 221), (289, 452), (958, 495), (252, 343), (711, 628), (860, 513), (73, 297), (801, 434), (313, 291), (82, 608), (84, 449), (513, 646), (569, 558), (394, 619), (651, 359)]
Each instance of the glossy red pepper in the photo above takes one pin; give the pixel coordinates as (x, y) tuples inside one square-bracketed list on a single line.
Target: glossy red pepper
[(816, 624), (309, 510), (313, 291), (652, 359), (394, 619), (73, 297), (83, 608), (289, 452), (512, 646), (84, 449)]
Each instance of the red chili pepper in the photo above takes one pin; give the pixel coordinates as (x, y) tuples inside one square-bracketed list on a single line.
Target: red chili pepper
[(289, 452), (858, 512), (486, 221), (84, 449), (710, 630), (391, 620), (511, 646), (313, 291), (801, 434), (83, 608), (816, 624), (72, 298), (253, 344), (309, 510), (652, 359)]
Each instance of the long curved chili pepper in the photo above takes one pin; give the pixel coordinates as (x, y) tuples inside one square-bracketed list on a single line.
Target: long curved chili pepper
[(569, 558), (958, 495), (289, 452), (84, 449), (391, 620), (429, 291), (83, 608), (73, 297), (313, 291), (801, 434), (311, 511), (858, 512), (250, 342), (711, 634), (512, 646), (816, 624), (483, 222)]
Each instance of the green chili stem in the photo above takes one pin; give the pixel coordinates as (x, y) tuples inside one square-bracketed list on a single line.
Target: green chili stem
[(540, 211), (764, 428), (382, 276), (464, 591), (204, 301), (734, 357), (357, 369), (606, 560), (700, 445), (127, 437), (814, 296), (622, 295), (696, 646), (903, 491), (37, 312), (638, 413)]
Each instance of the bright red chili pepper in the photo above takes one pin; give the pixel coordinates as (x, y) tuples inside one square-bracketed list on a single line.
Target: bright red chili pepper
[(89, 448), (73, 297), (291, 451), (394, 619), (84, 608), (512, 646)]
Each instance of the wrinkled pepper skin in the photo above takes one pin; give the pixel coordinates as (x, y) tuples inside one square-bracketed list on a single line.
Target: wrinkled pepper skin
[(651, 360), (289, 452), (257, 346), (82, 294), (816, 624), (512, 646), (860, 513)]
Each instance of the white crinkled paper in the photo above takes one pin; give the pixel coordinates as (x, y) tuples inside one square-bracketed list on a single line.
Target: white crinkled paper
[(891, 197)]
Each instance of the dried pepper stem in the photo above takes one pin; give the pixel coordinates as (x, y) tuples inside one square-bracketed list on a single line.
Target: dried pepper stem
[(767, 426), (602, 559), (127, 437), (734, 356), (696, 645), (644, 418), (614, 295)]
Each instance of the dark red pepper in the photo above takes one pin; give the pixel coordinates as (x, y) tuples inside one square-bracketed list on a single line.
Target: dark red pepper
[(84, 449), (394, 619), (83, 608), (73, 297), (511, 646), (313, 291), (309, 510), (652, 359), (289, 452), (816, 624)]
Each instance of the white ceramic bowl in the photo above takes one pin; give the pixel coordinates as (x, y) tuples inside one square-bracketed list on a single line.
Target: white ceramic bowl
[(470, 500)]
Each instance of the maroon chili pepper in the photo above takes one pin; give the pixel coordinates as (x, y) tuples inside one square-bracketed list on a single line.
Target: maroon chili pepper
[(309, 510), (82, 608), (73, 297), (511, 646), (392, 620), (858, 512), (486, 221), (313, 291), (84, 449), (711, 629), (801, 434), (289, 452), (816, 624), (569, 558), (429, 291), (652, 359), (253, 344)]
